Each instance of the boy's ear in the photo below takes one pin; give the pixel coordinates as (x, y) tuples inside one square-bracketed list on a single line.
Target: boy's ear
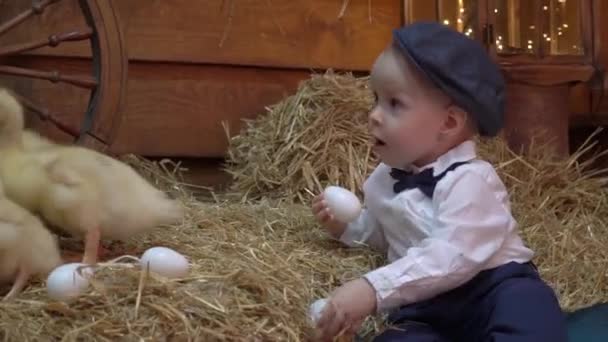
[(455, 121)]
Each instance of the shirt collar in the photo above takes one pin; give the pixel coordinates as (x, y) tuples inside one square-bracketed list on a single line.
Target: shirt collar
[(464, 152)]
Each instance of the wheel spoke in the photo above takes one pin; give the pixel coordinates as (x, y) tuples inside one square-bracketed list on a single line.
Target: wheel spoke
[(87, 82), (38, 7), (45, 115), (51, 41)]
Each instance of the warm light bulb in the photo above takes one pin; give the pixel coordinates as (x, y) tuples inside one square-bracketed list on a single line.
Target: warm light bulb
[(545, 8), (565, 25), (496, 10), (530, 47), (462, 10), (446, 22), (529, 42), (548, 39), (459, 21)]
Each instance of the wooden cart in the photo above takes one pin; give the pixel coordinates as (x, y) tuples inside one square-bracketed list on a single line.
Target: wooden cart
[(104, 82)]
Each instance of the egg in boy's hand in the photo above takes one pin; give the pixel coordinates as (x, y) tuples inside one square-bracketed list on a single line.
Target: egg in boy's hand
[(335, 208)]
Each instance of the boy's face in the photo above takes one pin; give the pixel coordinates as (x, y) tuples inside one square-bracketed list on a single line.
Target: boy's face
[(408, 116)]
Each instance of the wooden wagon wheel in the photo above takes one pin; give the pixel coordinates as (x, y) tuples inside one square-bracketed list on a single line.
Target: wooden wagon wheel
[(106, 84)]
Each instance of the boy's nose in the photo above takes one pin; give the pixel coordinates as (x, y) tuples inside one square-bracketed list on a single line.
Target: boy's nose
[(375, 117)]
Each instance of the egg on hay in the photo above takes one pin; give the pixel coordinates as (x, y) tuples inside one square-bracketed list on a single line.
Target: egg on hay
[(165, 262), (68, 281)]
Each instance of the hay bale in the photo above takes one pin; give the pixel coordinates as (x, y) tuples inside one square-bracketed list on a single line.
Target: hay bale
[(313, 138)]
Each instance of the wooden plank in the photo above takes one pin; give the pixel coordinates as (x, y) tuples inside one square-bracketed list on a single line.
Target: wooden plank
[(178, 110), (547, 75), (580, 100), (171, 109), (275, 33), (420, 10)]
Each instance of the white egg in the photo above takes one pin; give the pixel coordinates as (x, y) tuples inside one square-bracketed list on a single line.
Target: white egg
[(344, 205), (165, 262), (65, 283), (316, 310)]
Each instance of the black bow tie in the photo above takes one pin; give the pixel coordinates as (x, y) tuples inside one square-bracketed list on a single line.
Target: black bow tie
[(425, 181)]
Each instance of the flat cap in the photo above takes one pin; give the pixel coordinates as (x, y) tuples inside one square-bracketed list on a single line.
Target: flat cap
[(460, 67)]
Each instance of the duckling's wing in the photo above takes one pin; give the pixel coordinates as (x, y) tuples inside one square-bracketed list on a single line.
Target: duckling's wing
[(9, 234), (71, 200), (60, 172)]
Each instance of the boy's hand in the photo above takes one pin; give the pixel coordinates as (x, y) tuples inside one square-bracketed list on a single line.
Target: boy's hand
[(326, 218), (346, 310)]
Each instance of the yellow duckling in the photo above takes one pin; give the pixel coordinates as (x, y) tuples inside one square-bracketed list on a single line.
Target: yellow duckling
[(27, 248), (75, 189)]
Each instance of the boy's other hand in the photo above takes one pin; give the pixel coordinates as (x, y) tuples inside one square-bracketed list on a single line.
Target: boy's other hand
[(346, 310)]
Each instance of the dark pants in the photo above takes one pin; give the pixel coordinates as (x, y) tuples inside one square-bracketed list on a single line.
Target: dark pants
[(509, 303)]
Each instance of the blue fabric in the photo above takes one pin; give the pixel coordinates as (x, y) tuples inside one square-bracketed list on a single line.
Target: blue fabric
[(588, 324), (425, 181), (506, 304), (459, 66)]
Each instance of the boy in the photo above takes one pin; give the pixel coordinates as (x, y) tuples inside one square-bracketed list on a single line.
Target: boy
[(458, 270)]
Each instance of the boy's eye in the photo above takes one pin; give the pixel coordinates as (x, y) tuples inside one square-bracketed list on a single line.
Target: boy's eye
[(375, 98), (395, 103)]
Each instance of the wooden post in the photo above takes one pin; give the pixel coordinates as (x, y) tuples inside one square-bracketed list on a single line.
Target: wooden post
[(537, 104), (538, 113)]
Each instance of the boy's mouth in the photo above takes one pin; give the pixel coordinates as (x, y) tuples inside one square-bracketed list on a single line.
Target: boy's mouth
[(379, 142)]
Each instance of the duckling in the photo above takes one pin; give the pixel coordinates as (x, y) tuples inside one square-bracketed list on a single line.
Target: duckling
[(27, 248), (77, 190), (33, 141)]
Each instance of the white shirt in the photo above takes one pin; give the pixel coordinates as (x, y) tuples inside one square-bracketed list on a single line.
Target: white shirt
[(435, 245)]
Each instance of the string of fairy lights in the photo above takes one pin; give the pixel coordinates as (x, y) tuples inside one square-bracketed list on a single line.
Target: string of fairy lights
[(559, 27), (460, 19)]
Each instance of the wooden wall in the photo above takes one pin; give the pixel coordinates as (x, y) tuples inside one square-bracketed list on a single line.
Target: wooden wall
[(194, 64)]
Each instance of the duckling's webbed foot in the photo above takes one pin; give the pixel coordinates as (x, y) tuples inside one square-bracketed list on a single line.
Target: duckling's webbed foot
[(22, 277), (91, 246)]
